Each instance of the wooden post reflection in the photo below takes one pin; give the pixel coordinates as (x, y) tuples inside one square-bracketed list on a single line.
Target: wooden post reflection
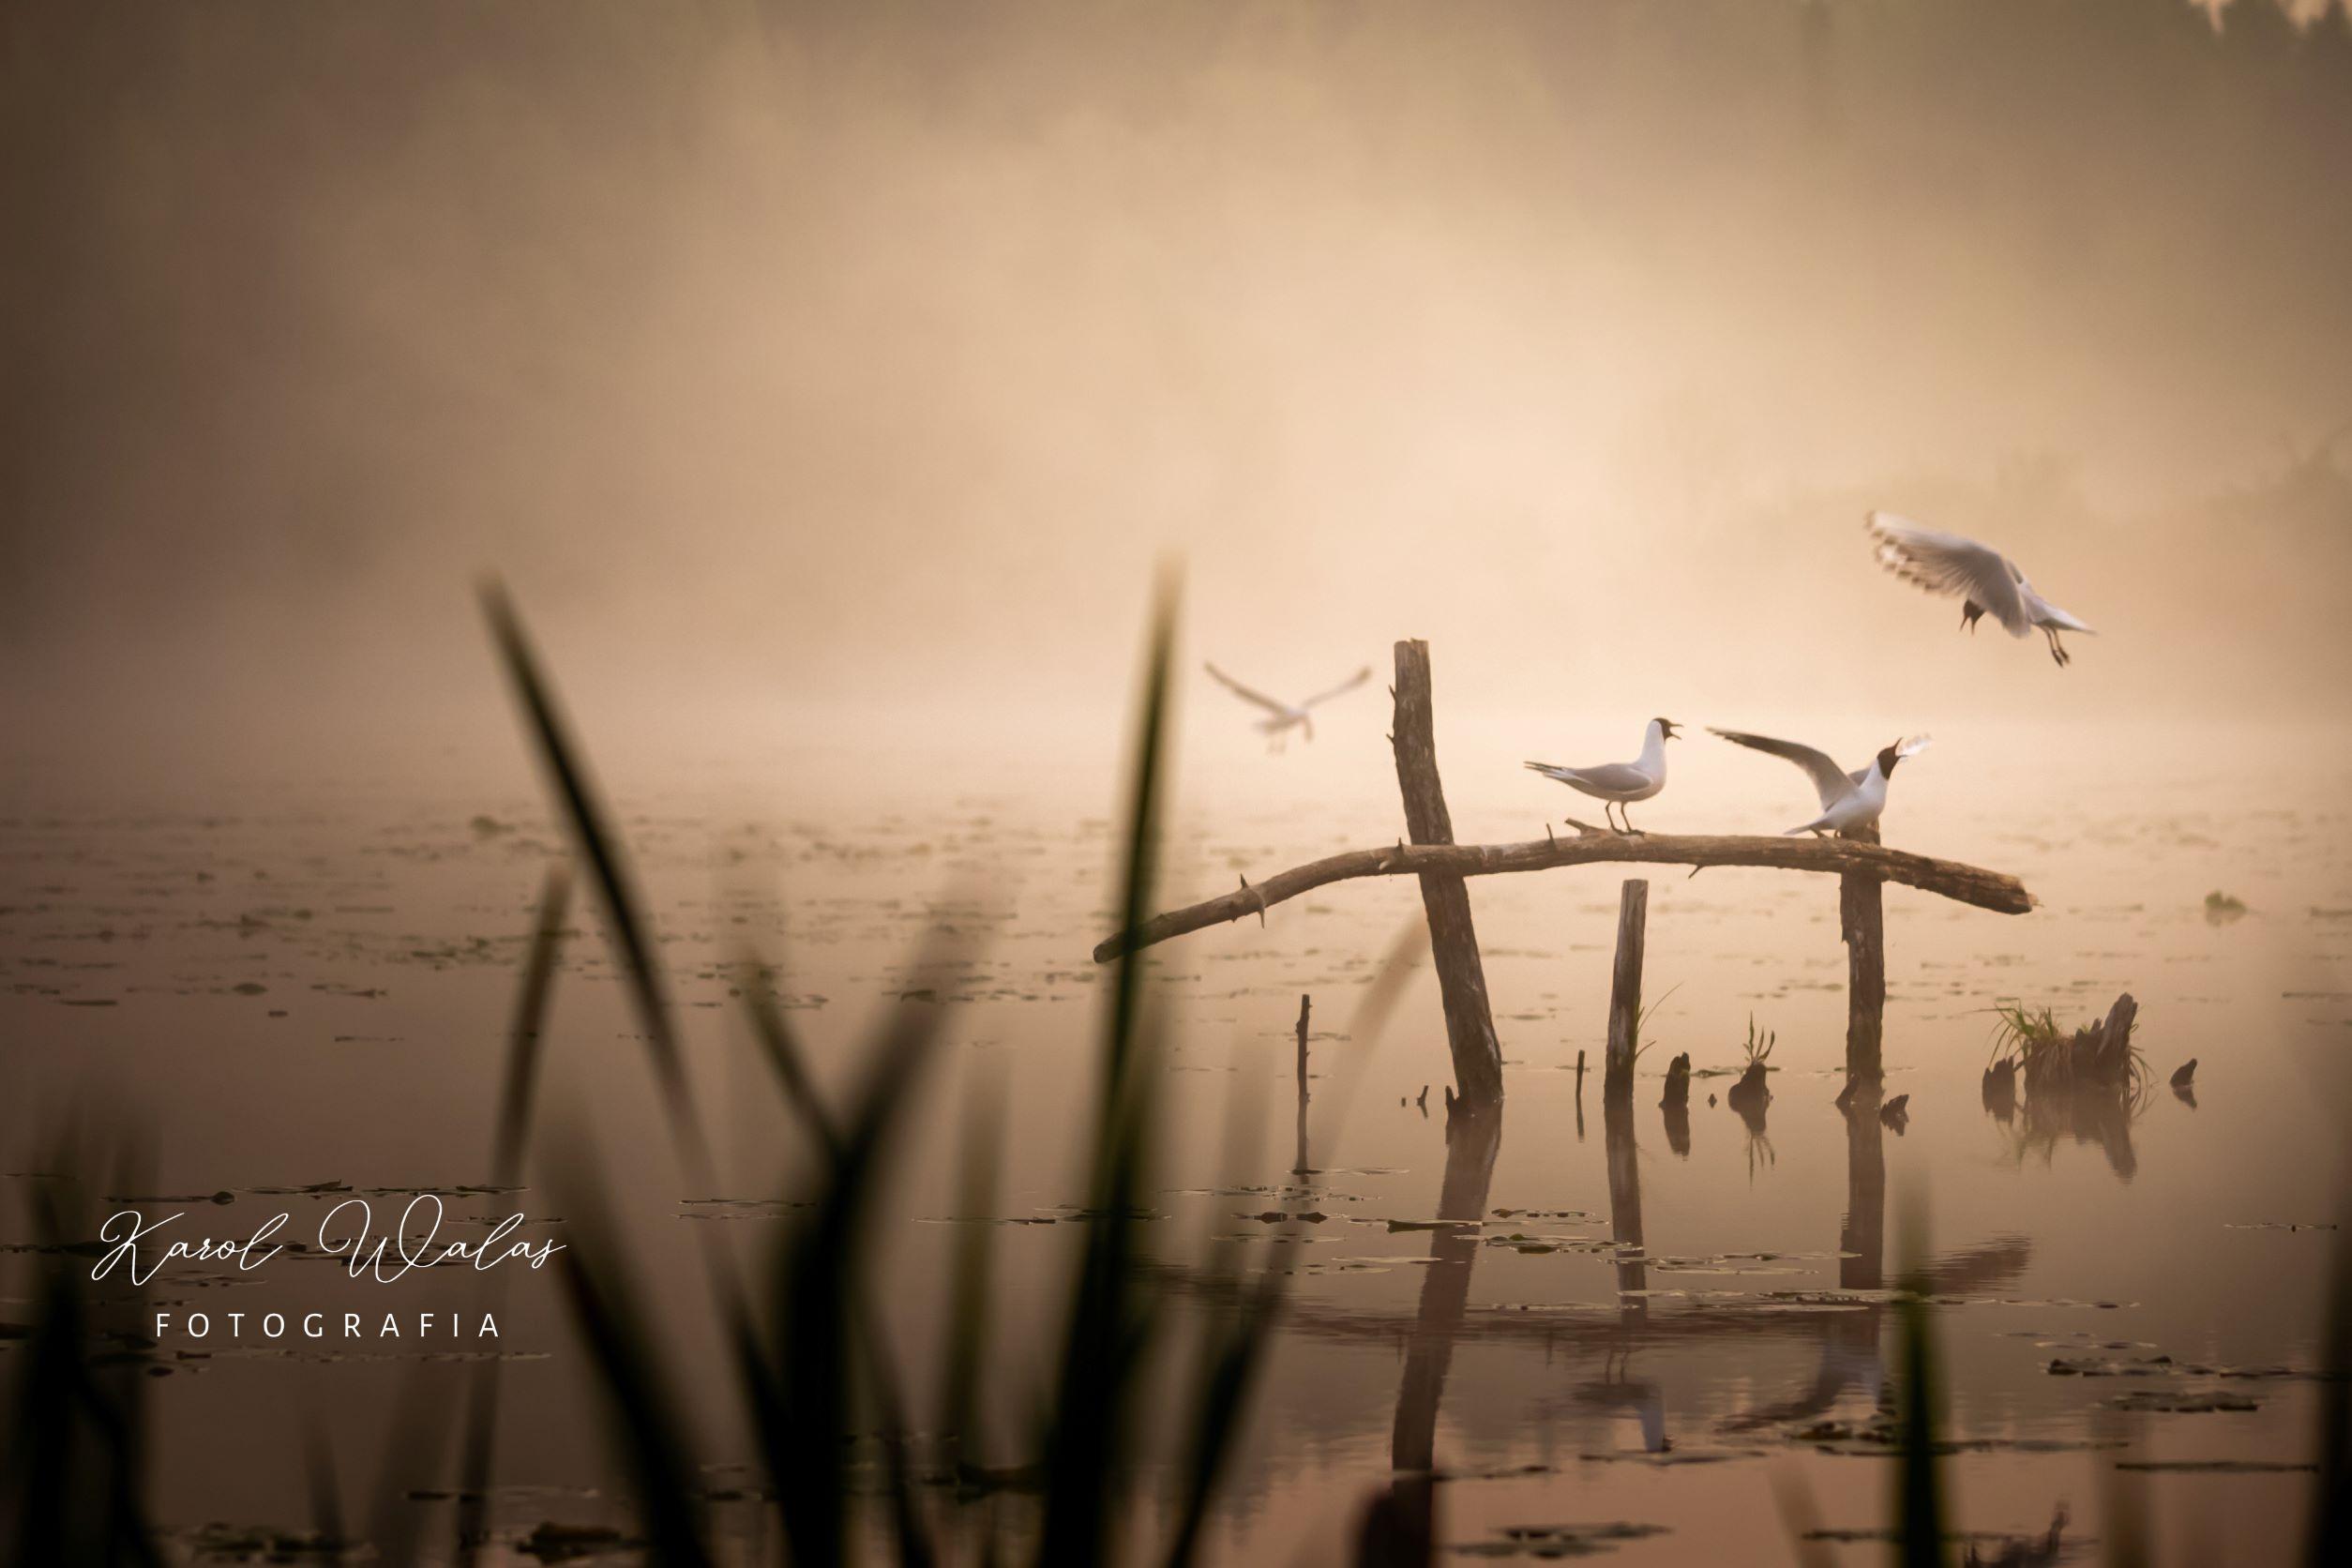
[(1471, 1143), (1617, 1122), (1400, 1526), (1862, 1240)]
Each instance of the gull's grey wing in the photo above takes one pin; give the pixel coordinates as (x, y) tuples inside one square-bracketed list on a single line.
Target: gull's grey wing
[(1608, 775), (1945, 563), (1280, 709), (1829, 781), (1347, 686)]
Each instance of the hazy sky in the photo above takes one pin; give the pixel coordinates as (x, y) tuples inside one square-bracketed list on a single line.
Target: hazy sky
[(833, 360)]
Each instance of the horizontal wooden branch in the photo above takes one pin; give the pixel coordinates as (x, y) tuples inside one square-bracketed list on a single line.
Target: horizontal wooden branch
[(1969, 885)]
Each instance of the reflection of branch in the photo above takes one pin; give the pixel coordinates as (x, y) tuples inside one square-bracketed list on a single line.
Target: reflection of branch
[(1969, 885)]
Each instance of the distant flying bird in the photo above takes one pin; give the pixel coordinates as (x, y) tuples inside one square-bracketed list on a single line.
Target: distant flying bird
[(1849, 800), (1987, 581), (1620, 783), (1283, 717)]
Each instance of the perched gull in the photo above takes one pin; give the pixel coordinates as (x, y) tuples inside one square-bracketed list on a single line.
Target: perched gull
[(1849, 800), (1282, 717), (1988, 582), (1621, 783)]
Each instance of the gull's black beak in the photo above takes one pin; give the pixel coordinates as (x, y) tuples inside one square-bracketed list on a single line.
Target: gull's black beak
[(1670, 727)]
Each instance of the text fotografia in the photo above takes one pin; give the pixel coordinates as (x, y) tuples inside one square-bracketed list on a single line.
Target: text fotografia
[(323, 1325), (347, 1232)]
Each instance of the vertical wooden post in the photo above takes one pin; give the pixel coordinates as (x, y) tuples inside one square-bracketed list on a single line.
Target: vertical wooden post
[(1301, 1168), (1306, 1005), (1469, 1025), (1862, 921), (1633, 913)]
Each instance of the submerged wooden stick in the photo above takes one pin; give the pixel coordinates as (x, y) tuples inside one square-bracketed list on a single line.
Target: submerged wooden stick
[(1298, 1166), (1633, 913), (1469, 1025), (1969, 885), (1306, 1005)]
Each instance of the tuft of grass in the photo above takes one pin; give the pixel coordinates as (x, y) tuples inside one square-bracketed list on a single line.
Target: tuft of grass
[(2099, 1055), (73, 1473), (1642, 1041)]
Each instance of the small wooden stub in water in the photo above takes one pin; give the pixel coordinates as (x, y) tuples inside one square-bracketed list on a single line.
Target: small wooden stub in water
[(1299, 1167)]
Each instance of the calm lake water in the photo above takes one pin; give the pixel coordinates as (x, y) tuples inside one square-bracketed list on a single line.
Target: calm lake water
[(285, 986)]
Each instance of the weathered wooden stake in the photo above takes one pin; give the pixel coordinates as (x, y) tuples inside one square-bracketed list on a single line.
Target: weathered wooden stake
[(1300, 1168), (1306, 1005), (1862, 921), (1469, 1025), (1633, 913)]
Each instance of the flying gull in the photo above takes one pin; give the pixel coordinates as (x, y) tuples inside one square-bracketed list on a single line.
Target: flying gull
[(1283, 717), (1987, 581)]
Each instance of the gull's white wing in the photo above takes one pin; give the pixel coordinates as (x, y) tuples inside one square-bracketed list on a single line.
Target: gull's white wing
[(2043, 611), (1279, 709), (1829, 781), (1945, 563), (1347, 686)]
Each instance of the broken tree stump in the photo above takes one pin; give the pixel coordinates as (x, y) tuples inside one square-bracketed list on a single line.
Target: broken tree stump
[(1678, 1081), (1632, 914), (1470, 1026), (1862, 922)]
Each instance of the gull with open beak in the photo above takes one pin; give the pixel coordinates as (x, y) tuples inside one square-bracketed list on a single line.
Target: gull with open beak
[(1620, 783), (1849, 801)]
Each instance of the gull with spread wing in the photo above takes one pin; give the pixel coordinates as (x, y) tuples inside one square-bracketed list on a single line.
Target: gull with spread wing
[(1987, 581), (1849, 801), (1620, 783), (1283, 717)]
